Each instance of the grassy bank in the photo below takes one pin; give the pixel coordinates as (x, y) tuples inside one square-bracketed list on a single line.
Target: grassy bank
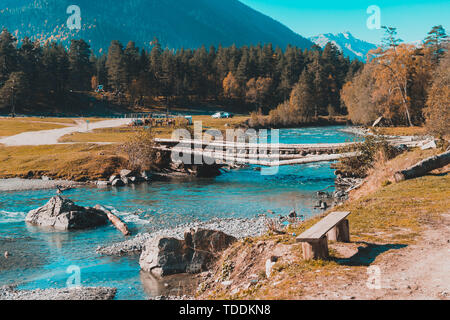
[(78, 162), (10, 127), (13, 126), (400, 131)]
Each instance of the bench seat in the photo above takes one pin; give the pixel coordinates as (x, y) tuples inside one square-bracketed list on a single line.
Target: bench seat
[(334, 227)]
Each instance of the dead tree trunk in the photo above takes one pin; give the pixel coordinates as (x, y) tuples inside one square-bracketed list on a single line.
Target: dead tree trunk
[(422, 168), (119, 224)]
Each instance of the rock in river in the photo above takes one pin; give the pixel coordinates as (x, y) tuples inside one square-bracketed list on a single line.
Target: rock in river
[(118, 183), (165, 256), (63, 214)]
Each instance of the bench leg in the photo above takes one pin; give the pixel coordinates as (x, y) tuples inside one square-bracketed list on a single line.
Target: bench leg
[(340, 233), (315, 249)]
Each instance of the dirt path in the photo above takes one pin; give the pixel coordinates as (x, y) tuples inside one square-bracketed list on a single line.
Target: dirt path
[(422, 270), (48, 137), (415, 272)]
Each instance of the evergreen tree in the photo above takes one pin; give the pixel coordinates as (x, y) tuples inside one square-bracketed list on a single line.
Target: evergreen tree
[(132, 61), (243, 69), (116, 66), (80, 65), (390, 39), (13, 94), (436, 40), (8, 55), (30, 55)]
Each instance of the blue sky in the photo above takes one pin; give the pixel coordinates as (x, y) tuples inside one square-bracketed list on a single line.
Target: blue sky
[(412, 18)]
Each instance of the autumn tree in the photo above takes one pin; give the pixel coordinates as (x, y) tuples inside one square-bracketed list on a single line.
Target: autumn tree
[(258, 90), (302, 101), (357, 97), (392, 74), (94, 83), (437, 113), (231, 88)]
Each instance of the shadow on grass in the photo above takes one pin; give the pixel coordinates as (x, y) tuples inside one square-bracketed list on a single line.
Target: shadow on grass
[(367, 254)]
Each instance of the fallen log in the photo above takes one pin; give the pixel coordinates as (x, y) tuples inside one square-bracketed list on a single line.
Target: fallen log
[(115, 220), (422, 168)]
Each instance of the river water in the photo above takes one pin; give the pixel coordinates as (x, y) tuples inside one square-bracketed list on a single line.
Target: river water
[(41, 258)]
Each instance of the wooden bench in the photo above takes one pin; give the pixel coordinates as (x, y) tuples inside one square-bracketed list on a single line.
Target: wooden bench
[(334, 227)]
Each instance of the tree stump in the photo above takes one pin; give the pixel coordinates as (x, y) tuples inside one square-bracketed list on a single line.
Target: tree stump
[(317, 249), (340, 233)]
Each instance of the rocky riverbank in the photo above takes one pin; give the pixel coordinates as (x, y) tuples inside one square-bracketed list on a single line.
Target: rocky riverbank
[(82, 293), (238, 228)]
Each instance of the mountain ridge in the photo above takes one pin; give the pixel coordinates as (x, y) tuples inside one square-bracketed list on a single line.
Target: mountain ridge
[(176, 23)]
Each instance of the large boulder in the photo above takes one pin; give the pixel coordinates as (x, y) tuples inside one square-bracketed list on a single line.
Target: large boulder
[(206, 244), (63, 214), (164, 256)]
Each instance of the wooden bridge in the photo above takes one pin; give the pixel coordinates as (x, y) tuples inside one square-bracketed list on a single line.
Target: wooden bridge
[(268, 155)]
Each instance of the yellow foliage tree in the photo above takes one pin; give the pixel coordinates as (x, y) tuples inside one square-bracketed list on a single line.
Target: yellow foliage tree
[(392, 75), (258, 90), (231, 87), (437, 113), (94, 82), (357, 97)]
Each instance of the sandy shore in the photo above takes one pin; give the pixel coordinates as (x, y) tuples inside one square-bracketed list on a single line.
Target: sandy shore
[(18, 184)]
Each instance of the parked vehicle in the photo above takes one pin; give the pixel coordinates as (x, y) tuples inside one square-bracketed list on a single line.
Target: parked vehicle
[(222, 115), (136, 123)]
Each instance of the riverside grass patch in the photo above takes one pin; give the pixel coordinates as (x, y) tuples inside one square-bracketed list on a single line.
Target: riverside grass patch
[(11, 127), (77, 162), (397, 211)]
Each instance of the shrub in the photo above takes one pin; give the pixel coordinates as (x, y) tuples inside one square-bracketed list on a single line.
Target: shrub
[(140, 150), (371, 151)]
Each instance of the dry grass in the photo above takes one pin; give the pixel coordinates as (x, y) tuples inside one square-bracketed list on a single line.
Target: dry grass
[(10, 127), (400, 131), (396, 212), (68, 121), (106, 135), (13, 126), (383, 172), (79, 162), (220, 124)]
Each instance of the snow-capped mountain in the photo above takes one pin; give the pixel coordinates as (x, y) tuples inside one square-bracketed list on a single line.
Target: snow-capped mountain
[(352, 47)]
